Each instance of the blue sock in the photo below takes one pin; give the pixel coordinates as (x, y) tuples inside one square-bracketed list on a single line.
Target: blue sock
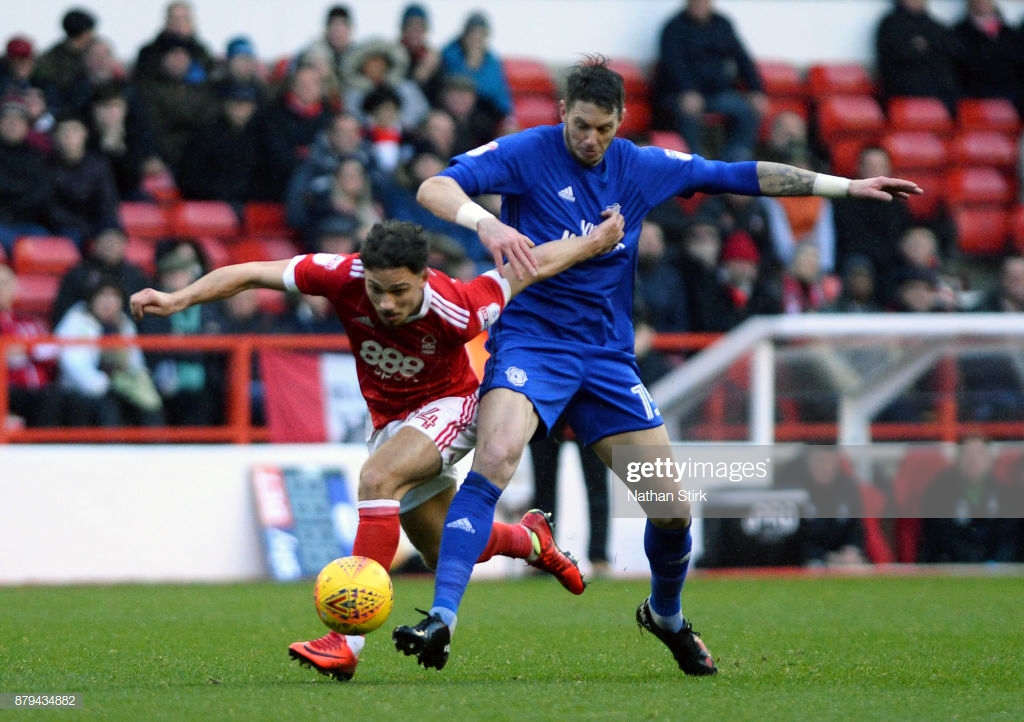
[(466, 531), (668, 553)]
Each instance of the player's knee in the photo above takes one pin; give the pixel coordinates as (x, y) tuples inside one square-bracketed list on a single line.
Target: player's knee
[(497, 460), (376, 483)]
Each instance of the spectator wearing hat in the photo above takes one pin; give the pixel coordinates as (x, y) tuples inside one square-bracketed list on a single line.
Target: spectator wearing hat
[(104, 255), (224, 160), (84, 197), (328, 51), (180, 26), (749, 291), (26, 180), (100, 67), (424, 59), (191, 384), (176, 106), (382, 109), (469, 55), (241, 67), (62, 64), (376, 64), (16, 66)]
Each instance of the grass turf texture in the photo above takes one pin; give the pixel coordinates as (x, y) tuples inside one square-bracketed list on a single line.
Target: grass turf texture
[(866, 648)]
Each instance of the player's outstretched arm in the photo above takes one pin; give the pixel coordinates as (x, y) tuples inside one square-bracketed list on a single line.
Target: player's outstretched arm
[(554, 257), (778, 179), (443, 197), (215, 285)]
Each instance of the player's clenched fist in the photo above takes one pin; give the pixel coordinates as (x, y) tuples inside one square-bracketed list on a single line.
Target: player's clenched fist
[(156, 303)]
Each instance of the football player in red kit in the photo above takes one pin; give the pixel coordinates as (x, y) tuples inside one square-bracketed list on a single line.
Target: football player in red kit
[(407, 325)]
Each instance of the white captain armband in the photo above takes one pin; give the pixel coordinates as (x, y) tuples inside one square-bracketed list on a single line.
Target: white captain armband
[(470, 213), (830, 186)]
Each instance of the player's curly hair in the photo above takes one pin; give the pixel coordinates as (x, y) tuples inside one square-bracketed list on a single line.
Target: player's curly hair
[(395, 244), (592, 81)]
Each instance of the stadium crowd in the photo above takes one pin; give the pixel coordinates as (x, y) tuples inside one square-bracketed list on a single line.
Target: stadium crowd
[(339, 134)]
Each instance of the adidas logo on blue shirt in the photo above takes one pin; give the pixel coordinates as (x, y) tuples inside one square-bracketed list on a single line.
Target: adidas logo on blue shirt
[(566, 193)]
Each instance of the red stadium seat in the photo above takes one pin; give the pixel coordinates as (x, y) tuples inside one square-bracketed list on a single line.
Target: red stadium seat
[(928, 206), (144, 220), (161, 187), (977, 186), (265, 219), (911, 150), (141, 252), (204, 218), (262, 249), (920, 114), (529, 76), (634, 77), (981, 230), (988, 114), (782, 80), (637, 120), (668, 139), (215, 251), (271, 301), (845, 156), (1017, 227), (850, 117), (533, 110), (825, 79), (52, 255), (984, 147), (36, 293)]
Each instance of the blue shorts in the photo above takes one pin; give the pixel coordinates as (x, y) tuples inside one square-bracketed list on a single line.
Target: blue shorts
[(598, 391)]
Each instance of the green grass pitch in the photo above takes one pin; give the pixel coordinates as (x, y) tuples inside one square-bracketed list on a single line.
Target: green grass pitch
[(921, 647)]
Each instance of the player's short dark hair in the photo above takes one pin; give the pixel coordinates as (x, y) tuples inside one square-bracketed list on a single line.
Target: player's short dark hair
[(395, 244), (592, 81)]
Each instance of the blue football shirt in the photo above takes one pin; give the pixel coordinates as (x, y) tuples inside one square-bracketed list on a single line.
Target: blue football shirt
[(547, 194)]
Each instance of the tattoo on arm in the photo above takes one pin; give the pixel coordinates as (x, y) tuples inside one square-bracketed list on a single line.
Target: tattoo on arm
[(778, 179)]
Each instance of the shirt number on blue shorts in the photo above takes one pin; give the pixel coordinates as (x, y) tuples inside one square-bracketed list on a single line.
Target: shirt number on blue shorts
[(646, 399)]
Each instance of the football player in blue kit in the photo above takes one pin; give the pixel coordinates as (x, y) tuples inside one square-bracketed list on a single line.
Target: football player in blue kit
[(565, 345)]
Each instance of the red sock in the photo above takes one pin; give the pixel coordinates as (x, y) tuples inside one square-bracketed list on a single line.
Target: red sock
[(507, 540), (378, 531)]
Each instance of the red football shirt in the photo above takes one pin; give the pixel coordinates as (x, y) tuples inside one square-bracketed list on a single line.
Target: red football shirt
[(402, 368)]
